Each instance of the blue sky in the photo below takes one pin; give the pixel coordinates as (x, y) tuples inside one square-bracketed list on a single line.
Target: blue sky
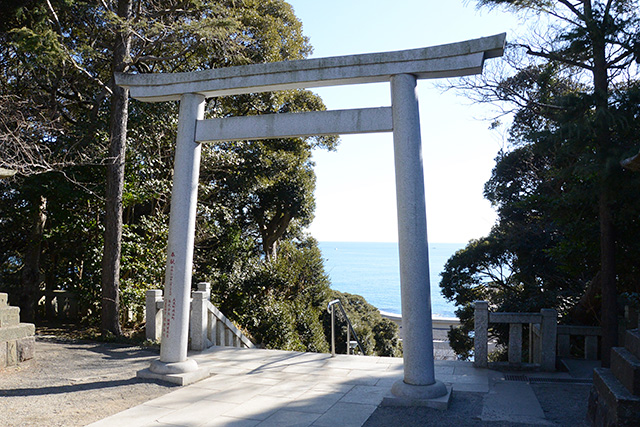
[(355, 194)]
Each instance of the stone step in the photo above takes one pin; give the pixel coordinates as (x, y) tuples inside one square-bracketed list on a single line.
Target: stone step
[(9, 316), (3, 299), (16, 332), (626, 368), (632, 342), (610, 403), (17, 351)]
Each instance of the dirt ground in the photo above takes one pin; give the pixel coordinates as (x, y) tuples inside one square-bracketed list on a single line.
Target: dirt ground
[(75, 383)]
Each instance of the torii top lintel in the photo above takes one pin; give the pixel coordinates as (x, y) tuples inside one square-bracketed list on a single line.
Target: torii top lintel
[(448, 60)]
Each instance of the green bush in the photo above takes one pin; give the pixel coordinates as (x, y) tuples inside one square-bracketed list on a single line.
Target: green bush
[(282, 303), (377, 335), (279, 301)]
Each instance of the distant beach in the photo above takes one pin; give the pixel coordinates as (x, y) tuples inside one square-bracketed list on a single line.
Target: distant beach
[(372, 270)]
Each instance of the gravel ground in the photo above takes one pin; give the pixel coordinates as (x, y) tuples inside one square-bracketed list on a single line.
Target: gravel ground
[(75, 383), (564, 404)]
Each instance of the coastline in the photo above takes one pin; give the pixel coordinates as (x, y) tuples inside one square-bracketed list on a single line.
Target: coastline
[(372, 270)]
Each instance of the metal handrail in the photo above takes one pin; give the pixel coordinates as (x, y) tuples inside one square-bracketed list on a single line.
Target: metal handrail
[(330, 309)]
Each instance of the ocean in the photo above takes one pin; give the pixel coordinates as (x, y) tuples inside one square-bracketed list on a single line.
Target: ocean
[(372, 270)]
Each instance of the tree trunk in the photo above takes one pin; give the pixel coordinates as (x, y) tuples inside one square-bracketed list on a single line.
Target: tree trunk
[(115, 181), (609, 309), (50, 286), (31, 277), (272, 232), (585, 312)]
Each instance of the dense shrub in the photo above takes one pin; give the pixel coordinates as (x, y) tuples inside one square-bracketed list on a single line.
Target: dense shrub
[(377, 335), (279, 301)]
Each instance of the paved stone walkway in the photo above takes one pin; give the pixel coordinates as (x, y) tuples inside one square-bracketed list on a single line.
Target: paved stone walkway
[(250, 387)]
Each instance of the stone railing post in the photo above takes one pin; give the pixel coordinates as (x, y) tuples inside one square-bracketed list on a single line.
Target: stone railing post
[(153, 315), (536, 341), (549, 329), (591, 347), (515, 343), (481, 334), (564, 345), (198, 321), (206, 288)]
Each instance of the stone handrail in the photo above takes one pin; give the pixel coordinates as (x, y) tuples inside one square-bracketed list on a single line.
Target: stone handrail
[(544, 353), (207, 325), (590, 334)]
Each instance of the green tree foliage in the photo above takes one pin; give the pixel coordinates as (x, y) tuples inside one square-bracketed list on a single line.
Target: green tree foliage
[(278, 302), (60, 104), (56, 83), (561, 195), (377, 335)]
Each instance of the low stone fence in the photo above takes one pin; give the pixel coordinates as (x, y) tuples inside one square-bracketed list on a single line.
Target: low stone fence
[(544, 353), (547, 339), (64, 305), (589, 334), (59, 304), (207, 325)]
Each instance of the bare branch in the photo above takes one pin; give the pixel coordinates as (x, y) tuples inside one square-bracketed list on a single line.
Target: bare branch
[(152, 58), (573, 9), (106, 8), (607, 8), (70, 56), (29, 140), (554, 57)]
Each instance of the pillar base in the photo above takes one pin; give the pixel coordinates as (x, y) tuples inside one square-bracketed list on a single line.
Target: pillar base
[(435, 395), (160, 367), (181, 373)]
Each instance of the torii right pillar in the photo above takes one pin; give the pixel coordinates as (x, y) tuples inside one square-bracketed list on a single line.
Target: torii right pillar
[(419, 386)]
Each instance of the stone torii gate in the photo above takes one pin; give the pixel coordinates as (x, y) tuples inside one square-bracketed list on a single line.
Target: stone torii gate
[(401, 69)]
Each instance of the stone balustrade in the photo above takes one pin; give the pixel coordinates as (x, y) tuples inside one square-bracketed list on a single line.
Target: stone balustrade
[(207, 325), (544, 353), (589, 334), (59, 304), (547, 338)]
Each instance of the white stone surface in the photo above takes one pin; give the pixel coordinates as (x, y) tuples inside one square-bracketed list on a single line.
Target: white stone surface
[(153, 325), (246, 397), (481, 337), (366, 120), (412, 233), (449, 60), (177, 291)]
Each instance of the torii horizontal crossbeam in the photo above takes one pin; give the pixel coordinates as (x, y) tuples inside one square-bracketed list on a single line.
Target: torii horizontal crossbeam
[(449, 60), (335, 122)]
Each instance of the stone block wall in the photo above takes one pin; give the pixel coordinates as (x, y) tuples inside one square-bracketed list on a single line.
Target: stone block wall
[(17, 340), (615, 396)]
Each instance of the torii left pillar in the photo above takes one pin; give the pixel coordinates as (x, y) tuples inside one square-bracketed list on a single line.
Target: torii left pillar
[(174, 364)]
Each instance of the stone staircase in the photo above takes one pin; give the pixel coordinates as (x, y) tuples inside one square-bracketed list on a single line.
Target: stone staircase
[(17, 340), (615, 396)]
